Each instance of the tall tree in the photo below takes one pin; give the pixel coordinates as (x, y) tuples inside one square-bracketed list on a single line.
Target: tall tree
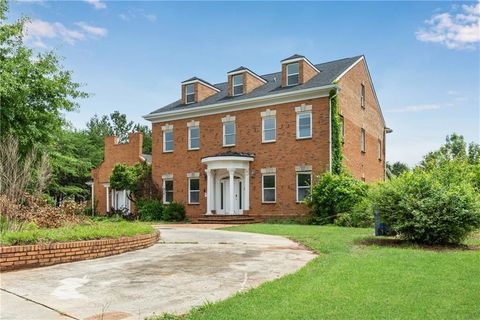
[(34, 89), (397, 168)]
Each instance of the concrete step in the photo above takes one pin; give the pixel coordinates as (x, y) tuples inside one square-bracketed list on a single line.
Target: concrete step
[(225, 219)]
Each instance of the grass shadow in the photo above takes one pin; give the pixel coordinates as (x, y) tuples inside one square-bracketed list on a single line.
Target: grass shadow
[(405, 244)]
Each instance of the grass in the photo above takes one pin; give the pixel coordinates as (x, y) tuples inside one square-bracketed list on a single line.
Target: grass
[(353, 281), (83, 231)]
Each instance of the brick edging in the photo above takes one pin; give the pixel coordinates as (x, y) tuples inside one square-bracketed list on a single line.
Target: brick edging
[(41, 255)]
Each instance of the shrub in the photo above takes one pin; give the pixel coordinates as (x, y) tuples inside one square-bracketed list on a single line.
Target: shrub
[(174, 212), (150, 210), (334, 194), (361, 216), (438, 206)]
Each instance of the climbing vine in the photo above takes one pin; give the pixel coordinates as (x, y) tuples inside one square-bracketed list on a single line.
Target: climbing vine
[(337, 154)]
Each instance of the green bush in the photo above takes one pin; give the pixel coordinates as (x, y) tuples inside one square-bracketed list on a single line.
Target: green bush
[(150, 210), (333, 194), (361, 216), (435, 206), (174, 212)]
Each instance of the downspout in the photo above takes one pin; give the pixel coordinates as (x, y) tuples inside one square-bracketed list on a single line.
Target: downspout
[(330, 130), (385, 131)]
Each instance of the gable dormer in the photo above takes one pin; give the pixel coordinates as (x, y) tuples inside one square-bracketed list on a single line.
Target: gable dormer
[(196, 90), (297, 70), (242, 81)]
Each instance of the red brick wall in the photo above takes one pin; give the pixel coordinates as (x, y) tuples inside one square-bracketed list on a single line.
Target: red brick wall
[(366, 165), (128, 153), (284, 154), (32, 256)]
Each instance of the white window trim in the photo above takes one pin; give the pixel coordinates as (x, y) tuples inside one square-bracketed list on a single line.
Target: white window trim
[(189, 190), (274, 117), (234, 134), (296, 184), (292, 74), (164, 140), (298, 125), (187, 94), (274, 187), (190, 137), (238, 85), (164, 190)]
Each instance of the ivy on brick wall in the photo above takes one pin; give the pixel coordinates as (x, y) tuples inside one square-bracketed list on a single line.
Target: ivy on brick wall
[(337, 154)]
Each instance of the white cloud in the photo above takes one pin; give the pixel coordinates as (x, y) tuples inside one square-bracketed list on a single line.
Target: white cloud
[(455, 31), (97, 4), (94, 31), (150, 17), (137, 13), (124, 17), (417, 108), (36, 31)]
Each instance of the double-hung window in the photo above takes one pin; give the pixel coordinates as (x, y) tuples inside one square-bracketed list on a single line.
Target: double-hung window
[(268, 188), (304, 125), (269, 129), (168, 190), (292, 74), (362, 140), (229, 133), (168, 140), (304, 181), (237, 84), (193, 190), (194, 138), (362, 95), (190, 93)]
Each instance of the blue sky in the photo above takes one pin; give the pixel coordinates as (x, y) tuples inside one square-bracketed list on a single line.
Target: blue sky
[(132, 56)]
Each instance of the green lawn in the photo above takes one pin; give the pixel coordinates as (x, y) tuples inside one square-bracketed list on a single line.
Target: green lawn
[(352, 281), (84, 231)]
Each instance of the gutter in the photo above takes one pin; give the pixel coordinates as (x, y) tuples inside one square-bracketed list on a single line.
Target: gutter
[(237, 105)]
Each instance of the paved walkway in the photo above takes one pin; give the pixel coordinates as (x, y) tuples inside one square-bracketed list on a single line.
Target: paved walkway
[(187, 268)]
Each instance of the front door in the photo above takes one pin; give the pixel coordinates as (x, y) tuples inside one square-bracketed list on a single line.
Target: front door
[(225, 196)]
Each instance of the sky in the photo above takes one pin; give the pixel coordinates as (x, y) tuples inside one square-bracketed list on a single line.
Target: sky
[(131, 56)]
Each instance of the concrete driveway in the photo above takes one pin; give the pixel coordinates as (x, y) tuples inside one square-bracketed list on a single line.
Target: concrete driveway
[(187, 268)]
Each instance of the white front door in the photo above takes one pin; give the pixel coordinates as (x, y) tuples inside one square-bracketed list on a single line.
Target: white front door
[(237, 196)]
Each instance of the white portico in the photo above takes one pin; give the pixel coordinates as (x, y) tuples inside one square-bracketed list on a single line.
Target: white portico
[(228, 183)]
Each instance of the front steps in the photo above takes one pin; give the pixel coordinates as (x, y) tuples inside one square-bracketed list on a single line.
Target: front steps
[(225, 219)]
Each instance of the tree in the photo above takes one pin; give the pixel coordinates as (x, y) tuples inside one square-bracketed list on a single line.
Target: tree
[(397, 168), (34, 89), (137, 179)]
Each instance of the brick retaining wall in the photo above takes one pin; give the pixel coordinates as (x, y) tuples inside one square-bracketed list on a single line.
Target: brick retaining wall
[(40, 255)]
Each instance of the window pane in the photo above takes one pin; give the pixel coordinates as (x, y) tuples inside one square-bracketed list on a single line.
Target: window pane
[(169, 196), (195, 143), (229, 128), (230, 139), (168, 145), (238, 79), (190, 88), (304, 119), (302, 193), (269, 123), (190, 98), (269, 181), (238, 90), (304, 179), (269, 135), (194, 184), (194, 132), (194, 197), (304, 128), (293, 79), (292, 68), (169, 136), (169, 185), (269, 195)]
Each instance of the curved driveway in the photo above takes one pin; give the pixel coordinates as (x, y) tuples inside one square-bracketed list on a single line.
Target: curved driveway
[(188, 267)]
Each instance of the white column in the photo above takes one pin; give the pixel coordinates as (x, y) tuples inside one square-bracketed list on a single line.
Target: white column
[(231, 173), (125, 198), (246, 201), (108, 199), (209, 190)]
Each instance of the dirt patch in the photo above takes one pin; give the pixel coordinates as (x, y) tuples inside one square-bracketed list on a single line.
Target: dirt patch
[(398, 243)]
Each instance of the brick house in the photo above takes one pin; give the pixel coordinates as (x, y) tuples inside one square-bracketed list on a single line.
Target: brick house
[(251, 146), (103, 197)]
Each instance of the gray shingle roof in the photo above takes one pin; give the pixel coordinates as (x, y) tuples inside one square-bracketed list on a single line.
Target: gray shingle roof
[(295, 56), (329, 71)]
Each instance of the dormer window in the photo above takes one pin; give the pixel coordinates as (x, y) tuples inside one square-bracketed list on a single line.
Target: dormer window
[(237, 84), (190, 93), (292, 74)]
